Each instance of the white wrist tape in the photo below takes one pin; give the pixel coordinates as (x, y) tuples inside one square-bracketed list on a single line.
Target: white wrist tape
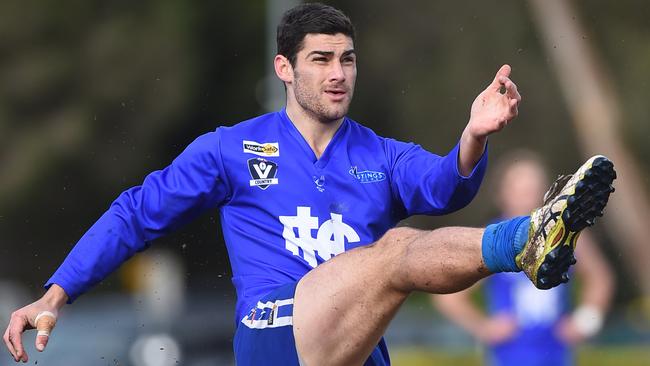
[(588, 320)]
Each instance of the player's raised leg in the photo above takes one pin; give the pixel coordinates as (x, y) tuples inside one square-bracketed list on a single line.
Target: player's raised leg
[(342, 308)]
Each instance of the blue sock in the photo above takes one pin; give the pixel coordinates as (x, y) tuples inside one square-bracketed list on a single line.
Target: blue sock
[(502, 242)]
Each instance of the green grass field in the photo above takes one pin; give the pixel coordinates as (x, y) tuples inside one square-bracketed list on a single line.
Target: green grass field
[(587, 356)]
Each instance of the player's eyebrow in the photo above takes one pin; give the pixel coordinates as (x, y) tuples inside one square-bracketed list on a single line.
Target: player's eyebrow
[(330, 53), (322, 53)]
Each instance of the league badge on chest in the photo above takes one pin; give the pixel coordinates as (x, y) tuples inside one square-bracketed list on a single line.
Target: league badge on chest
[(263, 172)]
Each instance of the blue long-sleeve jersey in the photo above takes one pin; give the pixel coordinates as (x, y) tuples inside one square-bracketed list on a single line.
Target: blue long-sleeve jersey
[(283, 210)]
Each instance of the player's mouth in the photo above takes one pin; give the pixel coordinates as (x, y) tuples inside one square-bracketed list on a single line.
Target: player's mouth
[(336, 94)]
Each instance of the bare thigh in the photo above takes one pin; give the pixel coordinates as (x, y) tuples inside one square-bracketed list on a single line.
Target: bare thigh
[(343, 307)]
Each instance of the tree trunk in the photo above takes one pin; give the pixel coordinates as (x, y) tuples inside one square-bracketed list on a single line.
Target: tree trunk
[(595, 108)]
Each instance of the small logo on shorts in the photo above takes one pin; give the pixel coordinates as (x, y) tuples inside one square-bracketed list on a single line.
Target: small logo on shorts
[(272, 315), (262, 149), (367, 176), (263, 172)]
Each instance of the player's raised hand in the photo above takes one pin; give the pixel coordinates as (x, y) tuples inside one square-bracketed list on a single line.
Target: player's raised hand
[(492, 109), (40, 315)]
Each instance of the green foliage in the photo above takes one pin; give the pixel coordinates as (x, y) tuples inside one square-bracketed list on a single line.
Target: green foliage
[(587, 356)]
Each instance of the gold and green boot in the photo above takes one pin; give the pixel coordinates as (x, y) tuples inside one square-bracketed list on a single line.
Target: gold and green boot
[(571, 204)]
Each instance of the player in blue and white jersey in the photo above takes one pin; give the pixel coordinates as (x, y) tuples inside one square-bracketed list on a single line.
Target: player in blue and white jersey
[(512, 331), (308, 201)]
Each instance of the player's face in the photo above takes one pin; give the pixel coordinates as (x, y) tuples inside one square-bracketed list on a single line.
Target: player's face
[(522, 188), (324, 75)]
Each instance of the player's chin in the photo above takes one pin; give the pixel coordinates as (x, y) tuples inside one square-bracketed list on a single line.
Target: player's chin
[(336, 115), (338, 110)]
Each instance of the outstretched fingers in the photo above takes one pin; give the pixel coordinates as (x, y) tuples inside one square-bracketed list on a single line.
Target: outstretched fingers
[(513, 98), (20, 321), (10, 347), (511, 92), (501, 77), (13, 337)]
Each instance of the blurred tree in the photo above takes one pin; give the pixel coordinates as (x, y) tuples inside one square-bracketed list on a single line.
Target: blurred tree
[(91, 80), (94, 96), (596, 109)]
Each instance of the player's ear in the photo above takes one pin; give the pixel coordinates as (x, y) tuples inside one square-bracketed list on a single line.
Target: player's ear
[(283, 68)]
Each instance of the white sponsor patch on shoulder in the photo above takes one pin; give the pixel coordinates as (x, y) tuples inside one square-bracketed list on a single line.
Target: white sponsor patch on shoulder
[(261, 149)]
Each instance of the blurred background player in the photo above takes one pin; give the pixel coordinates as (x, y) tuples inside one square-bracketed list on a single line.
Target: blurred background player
[(514, 333)]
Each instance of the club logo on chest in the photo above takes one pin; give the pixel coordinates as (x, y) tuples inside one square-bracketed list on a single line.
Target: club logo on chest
[(263, 172)]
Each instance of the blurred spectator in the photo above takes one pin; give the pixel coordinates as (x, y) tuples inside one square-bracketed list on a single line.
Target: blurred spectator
[(523, 325)]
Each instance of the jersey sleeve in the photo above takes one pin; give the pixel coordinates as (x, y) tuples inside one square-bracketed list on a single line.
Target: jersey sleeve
[(167, 199), (426, 183)]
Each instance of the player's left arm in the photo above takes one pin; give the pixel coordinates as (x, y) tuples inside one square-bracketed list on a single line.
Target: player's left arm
[(491, 111), (429, 184)]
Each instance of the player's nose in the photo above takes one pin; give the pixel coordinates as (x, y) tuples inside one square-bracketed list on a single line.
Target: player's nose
[(336, 72)]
